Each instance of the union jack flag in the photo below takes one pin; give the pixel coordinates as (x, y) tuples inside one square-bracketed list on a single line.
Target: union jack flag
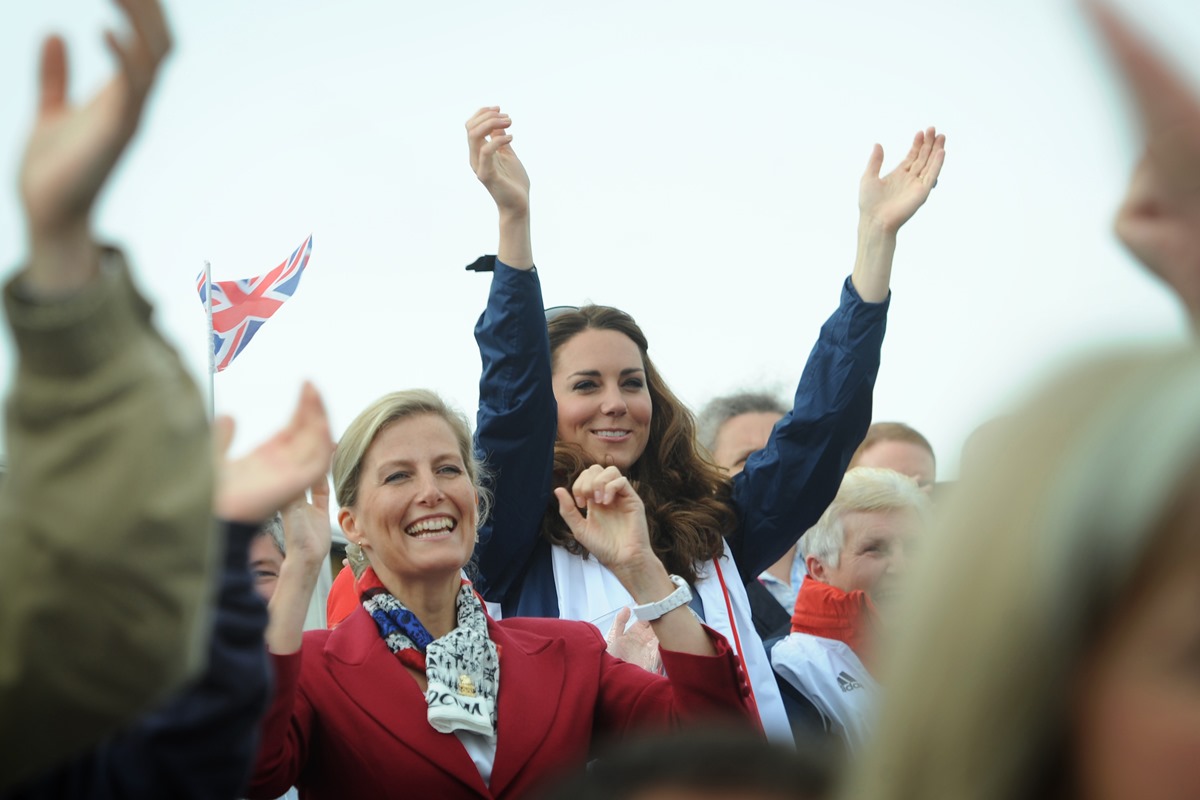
[(239, 308)]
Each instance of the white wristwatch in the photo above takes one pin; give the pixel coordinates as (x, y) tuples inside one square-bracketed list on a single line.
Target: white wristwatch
[(652, 611)]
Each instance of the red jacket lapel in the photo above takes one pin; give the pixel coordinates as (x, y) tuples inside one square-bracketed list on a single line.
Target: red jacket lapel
[(375, 680), (532, 670)]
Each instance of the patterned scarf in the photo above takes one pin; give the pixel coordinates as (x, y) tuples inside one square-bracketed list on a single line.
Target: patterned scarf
[(462, 668)]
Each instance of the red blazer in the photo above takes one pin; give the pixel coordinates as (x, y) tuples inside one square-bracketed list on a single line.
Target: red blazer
[(347, 720)]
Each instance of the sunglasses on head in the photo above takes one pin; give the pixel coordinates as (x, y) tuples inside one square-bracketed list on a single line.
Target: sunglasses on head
[(558, 311)]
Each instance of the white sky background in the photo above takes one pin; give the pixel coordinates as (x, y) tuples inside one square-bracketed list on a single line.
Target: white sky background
[(694, 163)]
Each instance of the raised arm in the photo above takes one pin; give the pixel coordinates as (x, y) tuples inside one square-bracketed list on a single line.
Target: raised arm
[(497, 167), (106, 506), (787, 485), (1159, 220), (302, 449), (516, 424)]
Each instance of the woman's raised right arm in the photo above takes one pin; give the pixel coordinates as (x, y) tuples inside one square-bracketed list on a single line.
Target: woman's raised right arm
[(516, 426)]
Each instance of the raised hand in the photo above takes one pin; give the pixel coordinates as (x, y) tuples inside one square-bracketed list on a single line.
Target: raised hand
[(614, 530), (72, 149), (253, 487), (495, 162), (1159, 220), (306, 526), (891, 201)]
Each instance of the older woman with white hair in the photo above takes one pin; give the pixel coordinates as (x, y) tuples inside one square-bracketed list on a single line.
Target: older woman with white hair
[(418, 693), (856, 556)]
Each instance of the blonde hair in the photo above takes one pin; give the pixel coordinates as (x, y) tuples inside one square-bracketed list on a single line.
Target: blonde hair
[(863, 489), (353, 446), (1026, 566)]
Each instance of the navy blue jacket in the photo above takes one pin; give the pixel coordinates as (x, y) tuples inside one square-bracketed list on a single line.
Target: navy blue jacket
[(201, 744), (783, 490)]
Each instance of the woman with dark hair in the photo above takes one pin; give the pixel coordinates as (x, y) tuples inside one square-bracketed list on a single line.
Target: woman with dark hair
[(564, 390)]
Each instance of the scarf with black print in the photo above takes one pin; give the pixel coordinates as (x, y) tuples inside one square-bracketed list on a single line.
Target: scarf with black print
[(462, 668)]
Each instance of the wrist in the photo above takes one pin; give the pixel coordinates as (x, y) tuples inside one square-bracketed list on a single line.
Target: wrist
[(872, 275), (873, 229), (302, 564), (646, 579), (516, 244), (62, 262), (510, 217)]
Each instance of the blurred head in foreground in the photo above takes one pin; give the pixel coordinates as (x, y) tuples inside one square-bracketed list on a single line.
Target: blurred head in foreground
[(1052, 645), (705, 764)]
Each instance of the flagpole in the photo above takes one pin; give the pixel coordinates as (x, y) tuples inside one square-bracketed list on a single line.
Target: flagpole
[(212, 391)]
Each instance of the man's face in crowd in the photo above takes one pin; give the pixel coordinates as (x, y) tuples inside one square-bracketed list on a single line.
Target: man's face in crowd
[(874, 556)]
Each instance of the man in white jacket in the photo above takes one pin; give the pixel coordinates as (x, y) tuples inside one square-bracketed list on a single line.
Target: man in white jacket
[(856, 556)]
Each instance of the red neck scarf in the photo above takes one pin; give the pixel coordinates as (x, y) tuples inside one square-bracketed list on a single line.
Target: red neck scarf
[(825, 611)]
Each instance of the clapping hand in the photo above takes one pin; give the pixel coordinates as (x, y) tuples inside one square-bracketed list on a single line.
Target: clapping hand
[(73, 148), (278, 471)]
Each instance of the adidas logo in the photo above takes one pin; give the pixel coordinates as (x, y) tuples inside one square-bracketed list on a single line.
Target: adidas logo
[(847, 683)]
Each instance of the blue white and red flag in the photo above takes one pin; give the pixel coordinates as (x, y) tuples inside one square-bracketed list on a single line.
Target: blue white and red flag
[(239, 308)]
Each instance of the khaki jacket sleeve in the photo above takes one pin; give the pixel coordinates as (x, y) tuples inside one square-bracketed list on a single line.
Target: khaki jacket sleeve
[(108, 551)]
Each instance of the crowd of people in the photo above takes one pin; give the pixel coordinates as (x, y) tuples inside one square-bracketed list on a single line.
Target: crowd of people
[(594, 593)]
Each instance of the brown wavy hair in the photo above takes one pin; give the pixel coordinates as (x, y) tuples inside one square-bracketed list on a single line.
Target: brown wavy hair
[(687, 498)]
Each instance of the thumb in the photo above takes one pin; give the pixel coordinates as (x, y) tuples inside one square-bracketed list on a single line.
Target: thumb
[(53, 76), (568, 510), (619, 622), (874, 163)]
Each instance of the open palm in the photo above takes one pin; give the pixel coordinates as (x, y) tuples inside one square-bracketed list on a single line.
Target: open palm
[(892, 200), (72, 149)]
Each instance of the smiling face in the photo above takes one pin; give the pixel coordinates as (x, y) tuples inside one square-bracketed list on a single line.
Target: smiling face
[(415, 511), (874, 555), (603, 403)]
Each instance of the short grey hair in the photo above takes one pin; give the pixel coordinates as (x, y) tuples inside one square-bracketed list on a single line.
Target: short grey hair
[(863, 489), (719, 410), (273, 527)]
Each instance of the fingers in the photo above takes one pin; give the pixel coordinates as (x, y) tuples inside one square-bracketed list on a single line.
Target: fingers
[(145, 48), (568, 511), (310, 412), (151, 39), (320, 493), (53, 76), (874, 163), (926, 148), (600, 485), (487, 122), (1159, 91), (617, 629), (913, 152), (933, 167)]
